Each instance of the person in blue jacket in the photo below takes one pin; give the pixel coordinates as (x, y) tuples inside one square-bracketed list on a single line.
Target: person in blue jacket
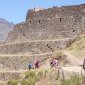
[(30, 66)]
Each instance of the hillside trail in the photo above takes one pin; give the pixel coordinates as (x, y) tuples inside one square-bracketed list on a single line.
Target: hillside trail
[(74, 67), (74, 60), (65, 71)]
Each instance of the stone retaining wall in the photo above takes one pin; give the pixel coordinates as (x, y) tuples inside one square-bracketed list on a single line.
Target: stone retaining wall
[(5, 76), (20, 62), (36, 47)]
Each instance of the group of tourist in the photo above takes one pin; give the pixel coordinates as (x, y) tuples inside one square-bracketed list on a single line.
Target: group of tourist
[(35, 65), (53, 63)]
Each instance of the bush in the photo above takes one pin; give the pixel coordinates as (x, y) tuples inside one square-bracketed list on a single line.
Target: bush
[(74, 80)]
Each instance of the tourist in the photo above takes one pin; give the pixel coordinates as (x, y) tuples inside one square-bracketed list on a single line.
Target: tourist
[(51, 63), (37, 64), (30, 66), (84, 64), (55, 63)]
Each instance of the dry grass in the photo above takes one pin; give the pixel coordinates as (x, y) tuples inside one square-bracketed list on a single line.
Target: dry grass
[(78, 48)]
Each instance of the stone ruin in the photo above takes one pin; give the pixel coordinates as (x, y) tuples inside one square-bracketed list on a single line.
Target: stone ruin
[(44, 32), (52, 23)]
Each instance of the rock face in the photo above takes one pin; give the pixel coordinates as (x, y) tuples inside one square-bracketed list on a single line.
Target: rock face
[(5, 28), (52, 23)]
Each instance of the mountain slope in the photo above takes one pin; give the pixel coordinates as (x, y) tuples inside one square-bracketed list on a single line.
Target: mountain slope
[(5, 28)]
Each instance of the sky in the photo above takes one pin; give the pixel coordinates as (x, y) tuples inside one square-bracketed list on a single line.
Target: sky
[(15, 10)]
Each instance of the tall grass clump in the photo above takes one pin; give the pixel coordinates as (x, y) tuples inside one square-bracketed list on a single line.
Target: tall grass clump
[(31, 78), (12, 82), (74, 80)]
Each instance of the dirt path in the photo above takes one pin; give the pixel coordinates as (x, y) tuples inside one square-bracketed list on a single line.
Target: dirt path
[(74, 60), (68, 70)]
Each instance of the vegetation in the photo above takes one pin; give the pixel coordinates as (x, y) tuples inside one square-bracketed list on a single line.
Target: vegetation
[(13, 82), (74, 80), (57, 55), (30, 78), (33, 77), (78, 47)]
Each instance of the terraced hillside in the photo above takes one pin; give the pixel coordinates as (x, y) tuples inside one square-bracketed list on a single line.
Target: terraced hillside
[(42, 34)]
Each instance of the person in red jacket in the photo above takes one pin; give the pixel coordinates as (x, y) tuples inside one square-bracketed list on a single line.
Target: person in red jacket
[(37, 64)]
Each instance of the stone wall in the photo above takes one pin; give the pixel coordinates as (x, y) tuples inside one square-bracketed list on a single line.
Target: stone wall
[(35, 47), (52, 23), (18, 62), (6, 76), (59, 11), (59, 27)]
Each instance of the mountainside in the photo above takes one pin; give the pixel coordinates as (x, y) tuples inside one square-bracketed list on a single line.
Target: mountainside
[(5, 28)]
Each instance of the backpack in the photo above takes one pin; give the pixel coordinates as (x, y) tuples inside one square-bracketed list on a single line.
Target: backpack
[(30, 66)]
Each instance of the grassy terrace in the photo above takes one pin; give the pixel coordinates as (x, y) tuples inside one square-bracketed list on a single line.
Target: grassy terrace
[(78, 48)]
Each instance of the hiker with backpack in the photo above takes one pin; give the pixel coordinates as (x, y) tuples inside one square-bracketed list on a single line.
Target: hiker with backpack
[(30, 66)]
